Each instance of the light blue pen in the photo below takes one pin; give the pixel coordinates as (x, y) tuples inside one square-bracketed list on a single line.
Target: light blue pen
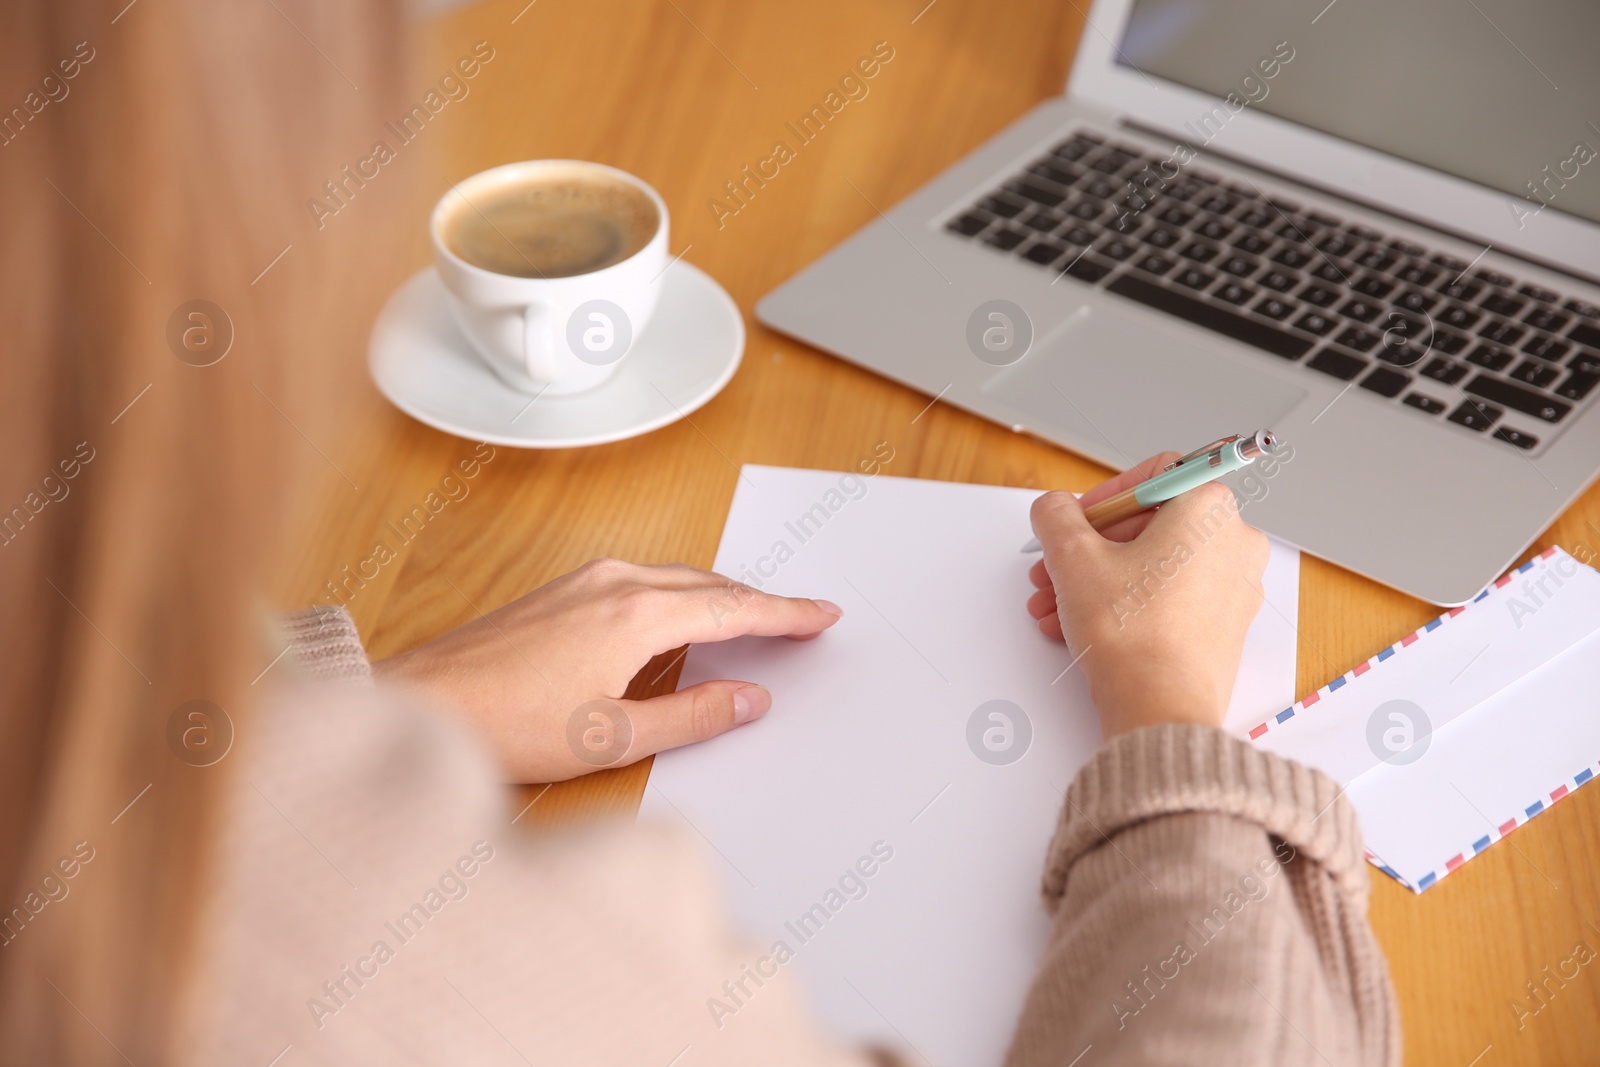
[(1197, 468)]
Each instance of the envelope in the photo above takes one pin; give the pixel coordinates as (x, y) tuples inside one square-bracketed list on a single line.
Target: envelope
[(1465, 729)]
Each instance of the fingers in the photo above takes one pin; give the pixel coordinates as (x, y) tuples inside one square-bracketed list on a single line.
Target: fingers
[(692, 714), (1042, 603), (1050, 626), (1132, 476), (720, 611)]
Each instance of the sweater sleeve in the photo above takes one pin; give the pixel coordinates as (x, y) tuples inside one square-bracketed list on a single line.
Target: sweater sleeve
[(325, 644), (1209, 906)]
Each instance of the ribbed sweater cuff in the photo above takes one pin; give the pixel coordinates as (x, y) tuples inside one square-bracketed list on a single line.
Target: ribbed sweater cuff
[(326, 644), (1171, 769)]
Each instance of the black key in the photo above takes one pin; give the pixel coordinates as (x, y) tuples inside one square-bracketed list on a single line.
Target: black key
[(1194, 279), (1320, 295), (1198, 252), (1118, 250), (1358, 339), (1584, 308), (1156, 264), (1007, 239), (1042, 221), (1220, 203), (1463, 290), (1161, 238), (1292, 257), (1044, 252), (1273, 308), (1176, 215), (1397, 351), (1578, 385), (1406, 248), (1405, 327), (1336, 244), (1386, 382), (1287, 207), (1315, 322), (1501, 304), (1423, 403), (1257, 217), (1290, 232), (1003, 206), (1494, 278), (1546, 348), (1239, 266), (1363, 232), (1081, 236), (1055, 171), (1517, 398), (1086, 210), (1451, 344), (1502, 333), (1515, 438), (1110, 163), (1585, 334), (1373, 286), (1074, 149), (1213, 230), (1442, 370), (1412, 300), (1535, 374), (1205, 176), (1322, 218), (1360, 310), (1545, 319), (1327, 272), (1340, 365), (1376, 259), (1475, 416), (1585, 361), (1185, 190), (1234, 293), (1087, 269), (1127, 224), (967, 224), (1537, 293), (1229, 323), (1279, 281), (1416, 274), (1101, 189), (1037, 192), (1252, 243), (1492, 357), (1458, 316), (1449, 263)]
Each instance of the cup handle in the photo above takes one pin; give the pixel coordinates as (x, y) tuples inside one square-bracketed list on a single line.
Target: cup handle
[(539, 350)]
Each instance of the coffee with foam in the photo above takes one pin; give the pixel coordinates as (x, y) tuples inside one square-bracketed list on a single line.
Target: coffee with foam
[(554, 224)]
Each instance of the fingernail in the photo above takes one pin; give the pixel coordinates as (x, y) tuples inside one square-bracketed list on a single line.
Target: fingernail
[(751, 702), (830, 607)]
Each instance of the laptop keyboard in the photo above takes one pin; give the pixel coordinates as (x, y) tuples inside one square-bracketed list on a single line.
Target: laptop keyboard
[(1340, 299)]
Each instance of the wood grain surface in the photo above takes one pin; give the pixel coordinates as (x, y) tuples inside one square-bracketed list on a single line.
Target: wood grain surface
[(687, 92)]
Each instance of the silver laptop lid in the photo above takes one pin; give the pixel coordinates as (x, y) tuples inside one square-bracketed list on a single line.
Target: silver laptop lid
[(1479, 118)]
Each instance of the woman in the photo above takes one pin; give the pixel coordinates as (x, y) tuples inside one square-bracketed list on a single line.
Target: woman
[(346, 885)]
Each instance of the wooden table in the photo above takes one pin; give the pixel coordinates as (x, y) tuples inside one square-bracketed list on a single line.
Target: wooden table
[(685, 93)]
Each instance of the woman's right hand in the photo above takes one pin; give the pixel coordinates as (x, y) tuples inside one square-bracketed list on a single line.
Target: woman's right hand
[(1157, 607)]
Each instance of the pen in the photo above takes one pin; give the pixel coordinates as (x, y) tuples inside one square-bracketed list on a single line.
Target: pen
[(1197, 468)]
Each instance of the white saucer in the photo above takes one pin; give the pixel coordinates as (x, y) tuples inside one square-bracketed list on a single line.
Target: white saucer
[(685, 356)]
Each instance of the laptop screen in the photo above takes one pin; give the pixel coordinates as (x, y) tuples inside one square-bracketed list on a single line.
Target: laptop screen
[(1504, 93)]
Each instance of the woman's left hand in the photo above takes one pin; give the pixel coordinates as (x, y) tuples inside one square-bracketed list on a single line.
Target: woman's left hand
[(542, 677)]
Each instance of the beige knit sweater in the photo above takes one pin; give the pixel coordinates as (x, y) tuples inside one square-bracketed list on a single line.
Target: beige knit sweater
[(376, 904)]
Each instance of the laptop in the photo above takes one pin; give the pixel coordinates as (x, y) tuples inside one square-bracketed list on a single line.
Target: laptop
[(1373, 228)]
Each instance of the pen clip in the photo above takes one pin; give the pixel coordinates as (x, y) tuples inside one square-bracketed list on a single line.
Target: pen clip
[(1207, 450)]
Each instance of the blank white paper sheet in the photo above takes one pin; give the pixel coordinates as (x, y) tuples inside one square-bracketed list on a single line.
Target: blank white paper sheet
[(887, 820)]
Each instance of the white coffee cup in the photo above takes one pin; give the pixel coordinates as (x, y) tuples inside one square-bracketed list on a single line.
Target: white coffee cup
[(556, 333)]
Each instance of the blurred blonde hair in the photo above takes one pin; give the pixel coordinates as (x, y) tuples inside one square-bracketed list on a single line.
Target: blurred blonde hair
[(173, 164)]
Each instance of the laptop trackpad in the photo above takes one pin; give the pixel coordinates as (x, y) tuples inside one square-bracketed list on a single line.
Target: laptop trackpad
[(1141, 389)]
